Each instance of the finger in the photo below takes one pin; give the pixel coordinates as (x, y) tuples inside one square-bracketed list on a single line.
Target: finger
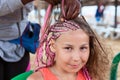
[(66, 4), (76, 11), (71, 7)]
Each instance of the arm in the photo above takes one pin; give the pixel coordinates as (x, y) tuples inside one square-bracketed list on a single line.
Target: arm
[(9, 6)]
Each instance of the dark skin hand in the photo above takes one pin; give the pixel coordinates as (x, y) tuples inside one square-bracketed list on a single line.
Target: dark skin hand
[(53, 2), (71, 7)]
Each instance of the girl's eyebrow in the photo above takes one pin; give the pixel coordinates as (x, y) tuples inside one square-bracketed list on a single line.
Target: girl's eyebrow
[(81, 45), (68, 44), (85, 44)]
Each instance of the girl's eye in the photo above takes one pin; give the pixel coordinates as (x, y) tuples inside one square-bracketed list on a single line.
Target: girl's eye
[(83, 48), (68, 48)]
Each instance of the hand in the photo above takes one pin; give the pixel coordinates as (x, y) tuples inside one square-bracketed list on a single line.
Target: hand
[(53, 2), (71, 9)]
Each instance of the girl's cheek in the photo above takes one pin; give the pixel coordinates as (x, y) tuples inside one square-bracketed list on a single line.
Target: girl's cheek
[(85, 58)]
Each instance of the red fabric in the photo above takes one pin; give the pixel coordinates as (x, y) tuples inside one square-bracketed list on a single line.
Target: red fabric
[(47, 75)]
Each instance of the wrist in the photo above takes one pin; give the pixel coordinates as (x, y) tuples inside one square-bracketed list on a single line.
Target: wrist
[(26, 1)]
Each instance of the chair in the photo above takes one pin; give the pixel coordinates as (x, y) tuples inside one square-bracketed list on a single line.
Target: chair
[(23, 76), (114, 67)]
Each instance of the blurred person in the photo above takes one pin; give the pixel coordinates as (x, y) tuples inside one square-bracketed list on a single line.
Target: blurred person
[(99, 15), (14, 59)]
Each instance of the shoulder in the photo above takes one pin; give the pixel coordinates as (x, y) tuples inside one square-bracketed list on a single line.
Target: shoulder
[(36, 76)]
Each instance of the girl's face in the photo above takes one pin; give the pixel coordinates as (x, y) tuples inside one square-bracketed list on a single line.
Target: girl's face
[(71, 51)]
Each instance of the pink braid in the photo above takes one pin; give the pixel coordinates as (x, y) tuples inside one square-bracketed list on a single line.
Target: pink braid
[(47, 15), (42, 35)]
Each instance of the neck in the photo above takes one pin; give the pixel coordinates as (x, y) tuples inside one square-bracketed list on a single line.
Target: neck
[(63, 75)]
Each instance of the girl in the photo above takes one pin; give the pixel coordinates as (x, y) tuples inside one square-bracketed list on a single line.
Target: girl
[(70, 50)]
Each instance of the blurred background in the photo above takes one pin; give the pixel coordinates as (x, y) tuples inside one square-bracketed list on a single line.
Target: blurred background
[(102, 15)]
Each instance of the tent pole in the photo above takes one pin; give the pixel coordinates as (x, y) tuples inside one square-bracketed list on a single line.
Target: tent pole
[(115, 23)]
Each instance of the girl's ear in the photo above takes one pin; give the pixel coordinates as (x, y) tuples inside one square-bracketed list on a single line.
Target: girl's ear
[(52, 45)]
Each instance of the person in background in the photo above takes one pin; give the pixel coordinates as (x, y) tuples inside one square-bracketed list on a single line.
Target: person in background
[(99, 15), (14, 59), (70, 50)]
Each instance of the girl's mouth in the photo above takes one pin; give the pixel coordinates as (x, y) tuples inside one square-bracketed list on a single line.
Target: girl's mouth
[(74, 66)]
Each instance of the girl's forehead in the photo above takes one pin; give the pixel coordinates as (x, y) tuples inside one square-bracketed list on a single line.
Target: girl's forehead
[(77, 34)]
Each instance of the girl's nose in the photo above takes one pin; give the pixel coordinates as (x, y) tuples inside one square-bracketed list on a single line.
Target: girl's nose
[(76, 56)]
